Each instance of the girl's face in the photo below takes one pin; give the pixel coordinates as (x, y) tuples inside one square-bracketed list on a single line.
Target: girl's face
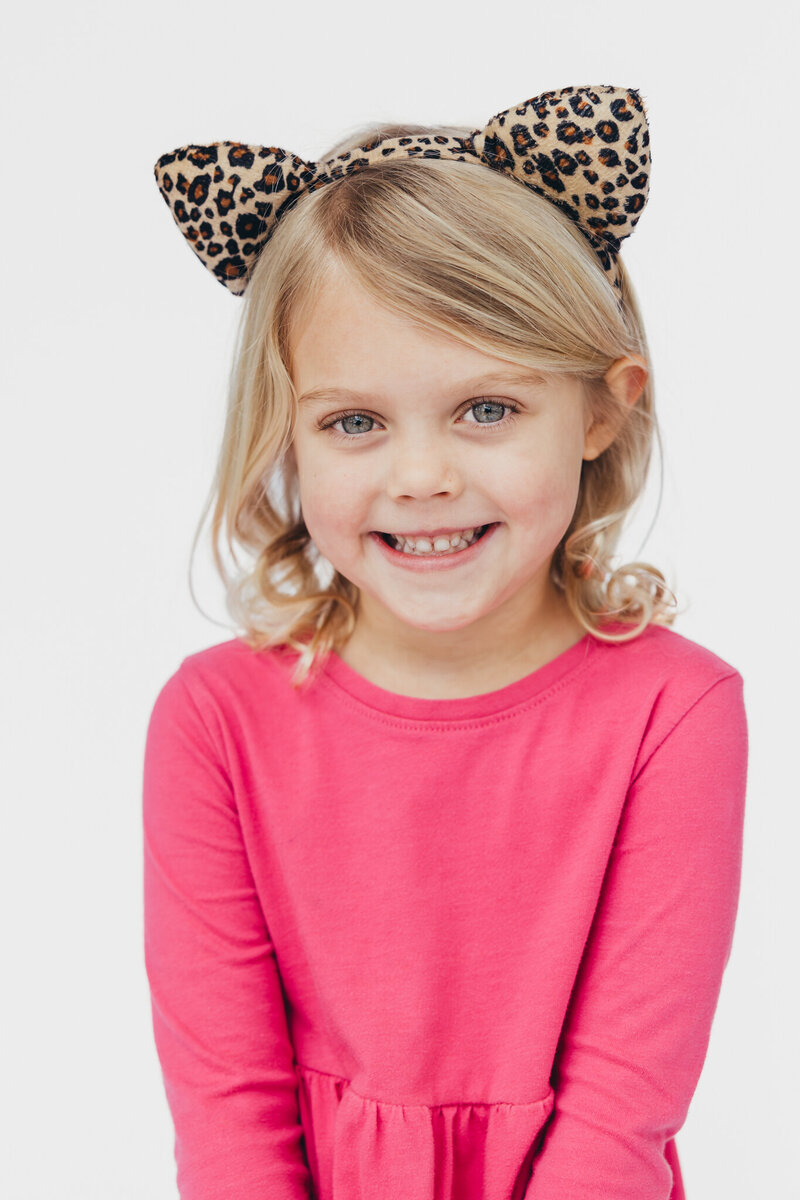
[(433, 443)]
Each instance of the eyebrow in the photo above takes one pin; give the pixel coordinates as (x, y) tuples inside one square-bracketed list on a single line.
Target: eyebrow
[(319, 395)]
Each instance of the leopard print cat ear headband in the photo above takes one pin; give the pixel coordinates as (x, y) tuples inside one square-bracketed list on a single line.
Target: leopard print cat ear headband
[(586, 149)]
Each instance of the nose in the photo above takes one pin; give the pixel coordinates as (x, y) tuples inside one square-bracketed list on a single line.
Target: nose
[(423, 469)]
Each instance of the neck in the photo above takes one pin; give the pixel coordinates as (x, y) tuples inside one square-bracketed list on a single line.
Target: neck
[(460, 662)]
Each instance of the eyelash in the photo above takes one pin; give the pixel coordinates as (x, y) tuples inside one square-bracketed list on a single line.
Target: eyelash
[(357, 412)]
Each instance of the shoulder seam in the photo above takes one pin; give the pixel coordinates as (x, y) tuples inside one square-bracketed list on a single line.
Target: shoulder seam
[(218, 744), (733, 674)]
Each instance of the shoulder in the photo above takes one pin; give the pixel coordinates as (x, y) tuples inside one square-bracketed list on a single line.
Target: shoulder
[(226, 677), (661, 677), (660, 653), (226, 660), (237, 708)]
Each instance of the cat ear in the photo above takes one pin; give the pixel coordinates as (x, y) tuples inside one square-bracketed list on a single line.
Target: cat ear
[(586, 149), (225, 198)]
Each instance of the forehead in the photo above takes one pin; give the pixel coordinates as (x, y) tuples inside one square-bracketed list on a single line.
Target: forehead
[(350, 346)]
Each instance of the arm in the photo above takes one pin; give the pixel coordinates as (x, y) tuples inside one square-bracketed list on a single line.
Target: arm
[(637, 1028), (217, 1007)]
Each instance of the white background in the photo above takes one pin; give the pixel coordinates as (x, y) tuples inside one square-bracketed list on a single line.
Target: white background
[(116, 349)]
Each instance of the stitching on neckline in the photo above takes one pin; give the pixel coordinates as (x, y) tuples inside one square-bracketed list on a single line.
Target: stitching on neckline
[(458, 724)]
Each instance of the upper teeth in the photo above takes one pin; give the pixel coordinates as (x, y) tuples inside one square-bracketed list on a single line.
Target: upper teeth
[(437, 545)]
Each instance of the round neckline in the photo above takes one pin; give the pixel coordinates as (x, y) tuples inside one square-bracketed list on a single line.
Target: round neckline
[(484, 704)]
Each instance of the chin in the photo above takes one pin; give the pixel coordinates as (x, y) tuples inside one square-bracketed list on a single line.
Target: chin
[(446, 623)]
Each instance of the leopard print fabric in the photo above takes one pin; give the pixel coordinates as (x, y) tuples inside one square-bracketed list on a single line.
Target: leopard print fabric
[(586, 149)]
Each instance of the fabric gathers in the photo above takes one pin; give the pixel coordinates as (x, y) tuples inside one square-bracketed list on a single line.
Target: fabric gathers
[(455, 949)]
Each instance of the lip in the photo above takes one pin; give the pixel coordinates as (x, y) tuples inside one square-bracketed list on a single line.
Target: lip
[(433, 561)]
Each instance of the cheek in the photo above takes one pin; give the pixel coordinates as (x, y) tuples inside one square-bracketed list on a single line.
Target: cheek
[(538, 494), (334, 515), (330, 497)]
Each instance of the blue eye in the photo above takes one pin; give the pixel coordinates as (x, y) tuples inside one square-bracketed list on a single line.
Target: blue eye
[(351, 416), (484, 404), (513, 409)]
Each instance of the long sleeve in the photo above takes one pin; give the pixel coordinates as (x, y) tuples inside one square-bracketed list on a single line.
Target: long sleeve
[(636, 1031), (218, 1013)]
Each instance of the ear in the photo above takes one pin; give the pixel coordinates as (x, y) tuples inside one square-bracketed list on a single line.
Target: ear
[(625, 379)]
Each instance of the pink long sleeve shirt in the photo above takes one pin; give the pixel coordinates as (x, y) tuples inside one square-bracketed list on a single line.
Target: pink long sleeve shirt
[(451, 949)]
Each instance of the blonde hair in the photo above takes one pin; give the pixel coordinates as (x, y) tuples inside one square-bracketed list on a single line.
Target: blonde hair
[(470, 252)]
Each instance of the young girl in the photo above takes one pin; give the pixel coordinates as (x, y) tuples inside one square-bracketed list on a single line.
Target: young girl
[(442, 854)]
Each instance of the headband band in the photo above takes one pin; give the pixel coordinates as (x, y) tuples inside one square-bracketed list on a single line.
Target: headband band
[(585, 149)]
